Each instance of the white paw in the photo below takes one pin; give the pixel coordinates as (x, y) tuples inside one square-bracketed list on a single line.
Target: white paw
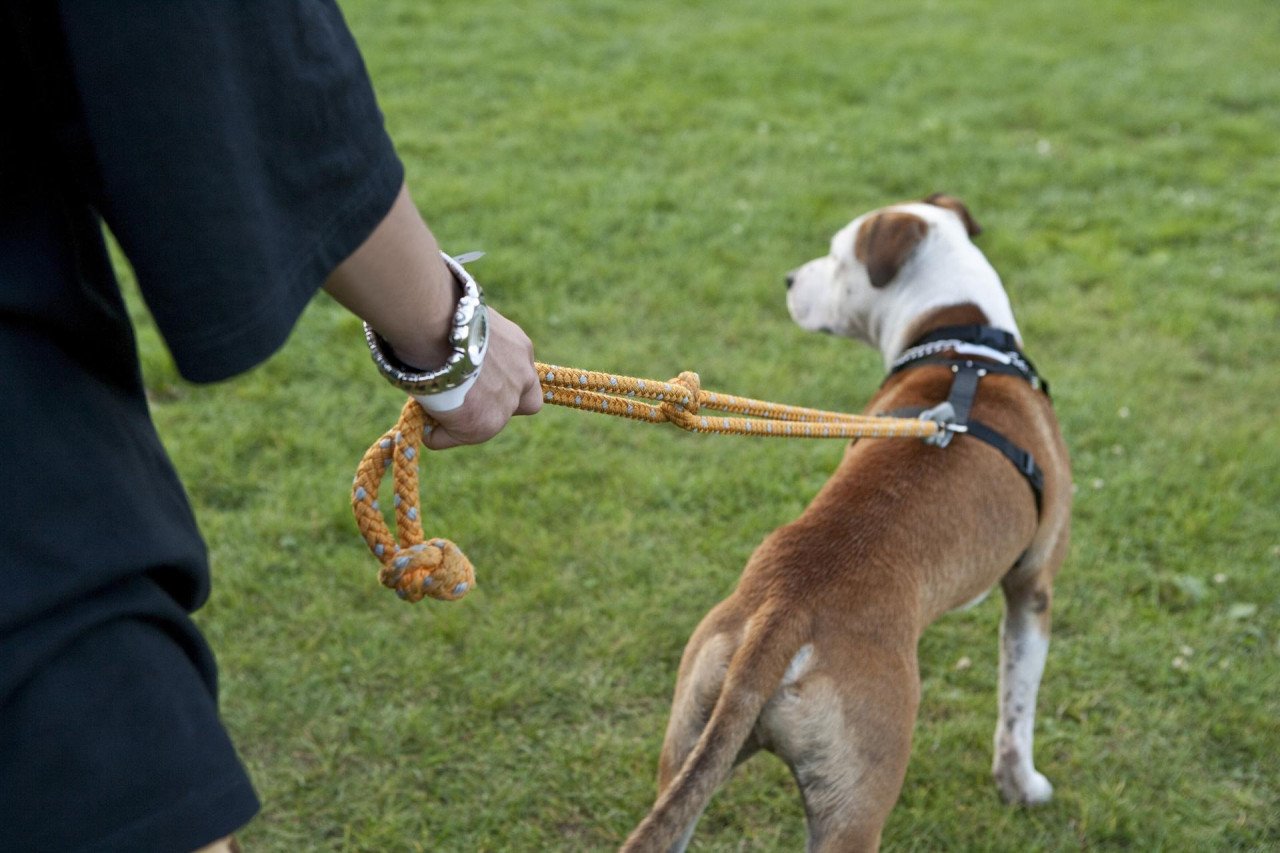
[(1023, 788), (1038, 790)]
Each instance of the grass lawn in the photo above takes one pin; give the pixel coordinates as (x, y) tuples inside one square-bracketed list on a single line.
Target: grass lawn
[(642, 175)]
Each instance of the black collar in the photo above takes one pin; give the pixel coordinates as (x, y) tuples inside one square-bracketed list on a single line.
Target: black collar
[(1004, 357), (974, 333)]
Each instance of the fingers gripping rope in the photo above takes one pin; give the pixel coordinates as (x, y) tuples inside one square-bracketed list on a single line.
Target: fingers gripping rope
[(416, 567)]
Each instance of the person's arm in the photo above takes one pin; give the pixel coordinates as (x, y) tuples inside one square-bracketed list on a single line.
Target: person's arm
[(397, 282)]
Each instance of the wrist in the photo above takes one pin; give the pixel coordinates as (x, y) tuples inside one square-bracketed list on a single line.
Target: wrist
[(426, 344), (456, 362)]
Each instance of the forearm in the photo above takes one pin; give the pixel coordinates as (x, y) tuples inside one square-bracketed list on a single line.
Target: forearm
[(397, 282)]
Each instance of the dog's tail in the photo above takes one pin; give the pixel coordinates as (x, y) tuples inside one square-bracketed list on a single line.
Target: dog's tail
[(755, 671)]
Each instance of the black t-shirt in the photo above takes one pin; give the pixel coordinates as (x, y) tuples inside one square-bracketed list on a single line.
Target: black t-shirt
[(236, 151)]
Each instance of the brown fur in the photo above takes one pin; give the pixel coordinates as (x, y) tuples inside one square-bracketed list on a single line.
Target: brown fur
[(886, 241), (901, 533), (959, 208)]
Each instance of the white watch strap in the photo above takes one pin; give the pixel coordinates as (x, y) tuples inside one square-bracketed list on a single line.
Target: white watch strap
[(447, 401)]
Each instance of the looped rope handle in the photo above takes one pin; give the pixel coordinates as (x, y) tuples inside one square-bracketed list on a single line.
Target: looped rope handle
[(416, 567)]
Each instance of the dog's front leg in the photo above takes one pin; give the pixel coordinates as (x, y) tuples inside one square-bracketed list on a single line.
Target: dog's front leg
[(1024, 645)]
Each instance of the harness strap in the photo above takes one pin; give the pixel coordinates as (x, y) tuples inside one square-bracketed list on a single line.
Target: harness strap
[(964, 387), (1022, 459), (991, 367), (1007, 360)]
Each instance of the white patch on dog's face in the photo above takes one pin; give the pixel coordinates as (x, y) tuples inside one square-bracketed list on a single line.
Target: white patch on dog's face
[(832, 294), (835, 294)]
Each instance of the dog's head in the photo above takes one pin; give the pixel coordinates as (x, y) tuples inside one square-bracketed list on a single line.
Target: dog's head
[(889, 268)]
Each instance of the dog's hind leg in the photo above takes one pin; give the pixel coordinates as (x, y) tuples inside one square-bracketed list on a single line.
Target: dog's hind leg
[(847, 741), (702, 676), (756, 664), (1024, 645)]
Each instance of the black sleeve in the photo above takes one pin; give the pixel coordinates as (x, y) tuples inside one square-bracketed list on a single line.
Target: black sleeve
[(237, 153)]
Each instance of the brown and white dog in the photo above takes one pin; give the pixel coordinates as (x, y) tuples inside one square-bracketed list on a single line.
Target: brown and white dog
[(813, 656)]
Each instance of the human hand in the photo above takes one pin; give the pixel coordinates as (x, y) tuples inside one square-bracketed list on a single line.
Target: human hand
[(507, 385)]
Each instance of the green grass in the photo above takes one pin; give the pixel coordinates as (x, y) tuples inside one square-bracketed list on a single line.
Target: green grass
[(642, 175)]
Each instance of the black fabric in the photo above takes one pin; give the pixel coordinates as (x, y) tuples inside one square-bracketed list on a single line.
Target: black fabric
[(113, 743), (237, 152), (975, 333)]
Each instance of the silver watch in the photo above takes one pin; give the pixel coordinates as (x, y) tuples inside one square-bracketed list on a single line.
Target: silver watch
[(469, 339)]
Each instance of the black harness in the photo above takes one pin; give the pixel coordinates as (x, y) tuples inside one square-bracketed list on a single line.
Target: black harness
[(1000, 354)]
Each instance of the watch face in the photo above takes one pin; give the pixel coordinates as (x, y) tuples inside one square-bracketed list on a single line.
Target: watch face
[(478, 339)]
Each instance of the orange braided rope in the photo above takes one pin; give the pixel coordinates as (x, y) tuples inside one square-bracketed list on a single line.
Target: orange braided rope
[(416, 567)]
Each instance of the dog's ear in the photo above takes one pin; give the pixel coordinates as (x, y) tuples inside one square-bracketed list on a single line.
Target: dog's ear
[(950, 202), (885, 241)]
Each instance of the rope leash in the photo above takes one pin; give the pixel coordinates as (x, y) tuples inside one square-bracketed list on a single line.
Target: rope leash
[(416, 567)]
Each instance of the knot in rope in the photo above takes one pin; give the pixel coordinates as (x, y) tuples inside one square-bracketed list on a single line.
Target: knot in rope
[(682, 409)]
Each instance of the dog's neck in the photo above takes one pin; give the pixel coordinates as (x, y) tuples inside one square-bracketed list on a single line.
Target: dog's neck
[(948, 278), (913, 321), (967, 314)]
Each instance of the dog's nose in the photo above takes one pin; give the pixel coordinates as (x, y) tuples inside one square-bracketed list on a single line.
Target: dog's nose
[(791, 279)]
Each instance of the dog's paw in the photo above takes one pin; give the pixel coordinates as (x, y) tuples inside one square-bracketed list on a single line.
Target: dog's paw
[(1038, 790), (1024, 789)]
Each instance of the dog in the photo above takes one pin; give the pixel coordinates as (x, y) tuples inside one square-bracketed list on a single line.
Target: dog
[(813, 656)]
